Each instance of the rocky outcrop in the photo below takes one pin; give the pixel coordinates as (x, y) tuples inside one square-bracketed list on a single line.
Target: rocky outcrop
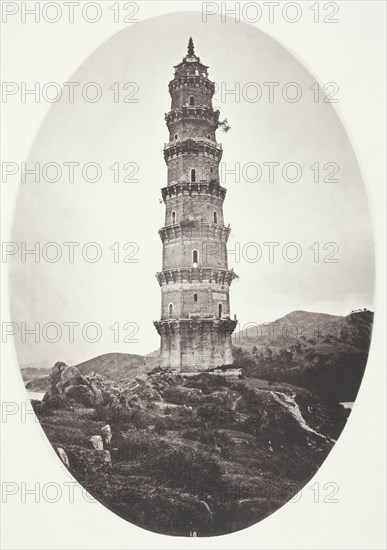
[(67, 386), (97, 393), (80, 394), (63, 376)]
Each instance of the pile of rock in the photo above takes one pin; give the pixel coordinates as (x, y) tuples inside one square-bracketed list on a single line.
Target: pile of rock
[(67, 385)]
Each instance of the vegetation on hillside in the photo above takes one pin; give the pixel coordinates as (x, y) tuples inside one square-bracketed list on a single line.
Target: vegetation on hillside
[(329, 363), (206, 454), (202, 454)]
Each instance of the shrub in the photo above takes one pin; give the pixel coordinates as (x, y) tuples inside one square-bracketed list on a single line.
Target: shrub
[(208, 383), (138, 444), (182, 396), (183, 467)]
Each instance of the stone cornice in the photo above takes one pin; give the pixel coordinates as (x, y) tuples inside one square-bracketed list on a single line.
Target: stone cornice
[(196, 146), (168, 326), (194, 229), (193, 112), (195, 274), (191, 81), (198, 188)]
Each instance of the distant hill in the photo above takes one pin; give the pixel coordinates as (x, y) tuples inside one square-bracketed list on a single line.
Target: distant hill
[(328, 357), (30, 373), (45, 364), (309, 349), (307, 326), (356, 329), (118, 367), (35, 378)]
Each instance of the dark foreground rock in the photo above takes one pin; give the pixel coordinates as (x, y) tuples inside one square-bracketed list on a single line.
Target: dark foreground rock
[(66, 386)]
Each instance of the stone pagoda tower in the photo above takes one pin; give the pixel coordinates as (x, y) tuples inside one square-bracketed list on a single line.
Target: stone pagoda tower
[(195, 326)]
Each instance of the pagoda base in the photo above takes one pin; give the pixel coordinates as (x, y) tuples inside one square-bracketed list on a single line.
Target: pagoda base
[(194, 345)]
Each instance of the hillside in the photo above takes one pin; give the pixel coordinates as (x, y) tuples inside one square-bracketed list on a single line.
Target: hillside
[(356, 329), (299, 326), (200, 454), (302, 347), (330, 363), (207, 454), (118, 367), (286, 330)]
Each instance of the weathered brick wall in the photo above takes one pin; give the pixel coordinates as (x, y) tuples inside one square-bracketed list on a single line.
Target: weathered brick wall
[(170, 297), (174, 204), (179, 168), (194, 128), (181, 96), (184, 304), (194, 206), (179, 253), (191, 129)]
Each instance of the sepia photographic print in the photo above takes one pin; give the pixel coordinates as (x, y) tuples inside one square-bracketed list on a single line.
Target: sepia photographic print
[(193, 266)]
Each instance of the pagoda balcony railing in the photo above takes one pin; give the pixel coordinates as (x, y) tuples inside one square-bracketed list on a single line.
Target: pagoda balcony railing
[(175, 188), (192, 78), (201, 140), (192, 111), (197, 315), (197, 220)]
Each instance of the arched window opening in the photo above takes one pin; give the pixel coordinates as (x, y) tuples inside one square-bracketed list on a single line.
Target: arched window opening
[(173, 217), (193, 175), (170, 310), (195, 297), (175, 136), (215, 217), (192, 100), (220, 310), (195, 258), (208, 135)]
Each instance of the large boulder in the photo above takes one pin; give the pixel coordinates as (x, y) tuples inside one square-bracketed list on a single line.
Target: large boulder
[(97, 442), (67, 385), (63, 376), (63, 456), (97, 393)]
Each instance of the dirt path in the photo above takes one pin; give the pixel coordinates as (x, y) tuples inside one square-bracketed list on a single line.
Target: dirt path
[(287, 401)]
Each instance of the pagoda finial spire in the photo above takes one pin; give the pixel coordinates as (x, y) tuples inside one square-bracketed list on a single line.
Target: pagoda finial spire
[(191, 49)]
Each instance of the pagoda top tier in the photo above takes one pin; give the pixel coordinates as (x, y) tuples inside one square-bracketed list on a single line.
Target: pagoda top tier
[(191, 63)]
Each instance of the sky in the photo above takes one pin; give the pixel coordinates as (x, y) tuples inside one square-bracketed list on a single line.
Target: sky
[(114, 300)]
